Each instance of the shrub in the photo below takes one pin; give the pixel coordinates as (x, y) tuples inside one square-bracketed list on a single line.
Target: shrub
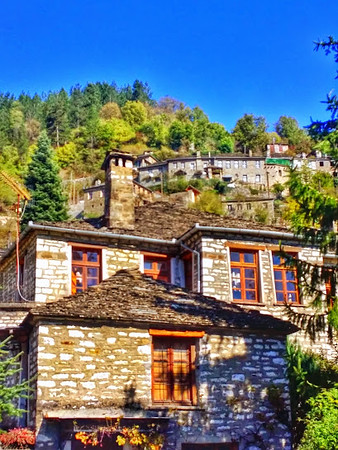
[(321, 423)]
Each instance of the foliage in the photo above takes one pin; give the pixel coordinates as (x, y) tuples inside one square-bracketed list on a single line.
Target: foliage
[(151, 439), (43, 181), (313, 209), (321, 422), (209, 201), (309, 375), (250, 133), (134, 113), (288, 129), (261, 215), (10, 367), (17, 438)]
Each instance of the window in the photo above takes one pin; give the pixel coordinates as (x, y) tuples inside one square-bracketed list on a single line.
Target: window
[(157, 266), (248, 206), (86, 268), (192, 166), (173, 370), (285, 281), (258, 178), (90, 195), (236, 164), (244, 275), (245, 178), (321, 163), (244, 164), (182, 165), (175, 165), (228, 164), (219, 163), (258, 164)]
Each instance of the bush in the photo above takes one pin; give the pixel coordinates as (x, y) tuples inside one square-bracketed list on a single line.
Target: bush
[(321, 423)]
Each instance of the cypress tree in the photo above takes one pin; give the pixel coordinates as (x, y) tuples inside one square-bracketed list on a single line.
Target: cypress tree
[(43, 181)]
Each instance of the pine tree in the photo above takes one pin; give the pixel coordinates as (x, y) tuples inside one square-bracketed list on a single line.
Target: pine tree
[(10, 393), (48, 202)]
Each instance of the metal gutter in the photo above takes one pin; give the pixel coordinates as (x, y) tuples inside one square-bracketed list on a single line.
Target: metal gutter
[(257, 233), (127, 237), (198, 255)]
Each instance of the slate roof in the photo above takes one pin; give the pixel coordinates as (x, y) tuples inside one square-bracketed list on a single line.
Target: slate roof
[(130, 297), (162, 220)]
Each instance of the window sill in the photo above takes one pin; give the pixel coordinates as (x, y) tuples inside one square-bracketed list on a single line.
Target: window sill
[(239, 302), (297, 305), (173, 406)]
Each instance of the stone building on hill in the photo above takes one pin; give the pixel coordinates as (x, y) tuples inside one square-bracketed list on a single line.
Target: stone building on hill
[(158, 313)]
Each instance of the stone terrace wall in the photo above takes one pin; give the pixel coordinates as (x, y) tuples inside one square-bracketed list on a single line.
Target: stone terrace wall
[(109, 369)]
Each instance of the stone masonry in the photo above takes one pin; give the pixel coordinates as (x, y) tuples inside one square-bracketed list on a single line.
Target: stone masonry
[(108, 370)]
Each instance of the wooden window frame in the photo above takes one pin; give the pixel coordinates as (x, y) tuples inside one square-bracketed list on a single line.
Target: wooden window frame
[(85, 264), (285, 291), (242, 266), (155, 273), (169, 383)]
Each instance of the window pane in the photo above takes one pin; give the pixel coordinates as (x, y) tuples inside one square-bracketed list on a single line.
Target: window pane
[(280, 297), (92, 256), (234, 256), (148, 265), (292, 297), (279, 286), (290, 286), (290, 275), (278, 274), (249, 273), (77, 255), (250, 284), (250, 295), (276, 260), (237, 295), (93, 272), (249, 258)]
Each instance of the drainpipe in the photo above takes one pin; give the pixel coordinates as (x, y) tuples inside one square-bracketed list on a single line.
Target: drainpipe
[(198, 256)]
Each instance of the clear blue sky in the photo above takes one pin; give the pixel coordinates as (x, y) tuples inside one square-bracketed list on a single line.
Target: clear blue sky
[(230, 57)]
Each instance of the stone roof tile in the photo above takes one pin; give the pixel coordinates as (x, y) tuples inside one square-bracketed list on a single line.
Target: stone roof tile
[(162, 220), (131, 297)]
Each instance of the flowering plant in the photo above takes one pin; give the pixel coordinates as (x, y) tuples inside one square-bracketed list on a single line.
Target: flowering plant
[(17, 438), (151, 440)]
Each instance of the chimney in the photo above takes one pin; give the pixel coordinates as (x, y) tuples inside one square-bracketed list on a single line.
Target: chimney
[(119, 190)]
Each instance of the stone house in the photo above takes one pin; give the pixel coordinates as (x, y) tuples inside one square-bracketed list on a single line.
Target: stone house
[(260, 172), (101, 336)]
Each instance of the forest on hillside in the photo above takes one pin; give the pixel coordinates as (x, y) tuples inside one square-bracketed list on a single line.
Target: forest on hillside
[(85, 122)]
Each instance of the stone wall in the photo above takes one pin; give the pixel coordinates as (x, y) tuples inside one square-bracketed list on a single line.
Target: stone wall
[(107, 371), (8, 279), (216, 282)]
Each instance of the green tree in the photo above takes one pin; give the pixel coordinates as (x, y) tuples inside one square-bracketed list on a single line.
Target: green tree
[(110, 110), (179, 134), (250, 133), (288, 129), (156, 131), (142, 92), (43, 181), (134, 113), (315, 210), (56, 112), (10, 393), (221, 140)]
